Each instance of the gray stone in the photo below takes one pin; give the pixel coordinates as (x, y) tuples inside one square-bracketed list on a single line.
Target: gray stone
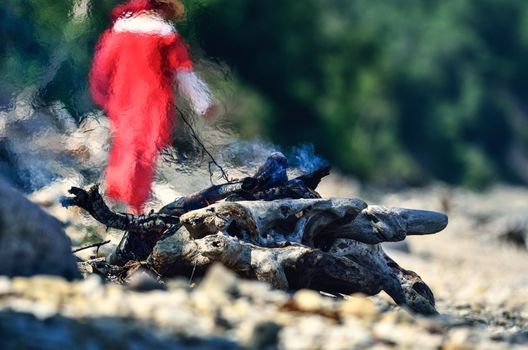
[(265, 335), (143, 280), (31, 241)]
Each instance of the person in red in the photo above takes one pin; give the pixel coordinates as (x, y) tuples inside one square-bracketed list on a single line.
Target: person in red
[(137, 64)]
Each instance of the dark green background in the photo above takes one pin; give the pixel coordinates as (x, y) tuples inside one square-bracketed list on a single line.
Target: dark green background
[(393, 92)]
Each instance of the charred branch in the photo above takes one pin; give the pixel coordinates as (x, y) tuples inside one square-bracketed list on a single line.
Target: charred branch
[(362, 269), (270, 182), (311, 221), (376, 224), (276, 230), (93, 203)]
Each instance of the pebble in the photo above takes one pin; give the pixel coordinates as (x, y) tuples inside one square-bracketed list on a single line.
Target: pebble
[(219, 283), (264, 335), (308, 300), (459, 339), (251, 315), (359, 306), (5, 285), (143, 280)]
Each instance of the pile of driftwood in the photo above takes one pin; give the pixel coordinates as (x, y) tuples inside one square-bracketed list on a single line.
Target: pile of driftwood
[(278, 230)]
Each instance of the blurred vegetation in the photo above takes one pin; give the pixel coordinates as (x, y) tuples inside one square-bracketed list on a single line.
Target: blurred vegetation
[(393, 92)]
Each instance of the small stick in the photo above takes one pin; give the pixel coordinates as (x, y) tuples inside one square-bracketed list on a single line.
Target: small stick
[(213, 160), (192, 273), (95, 245)]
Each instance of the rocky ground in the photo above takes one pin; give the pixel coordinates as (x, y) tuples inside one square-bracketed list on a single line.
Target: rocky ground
[(225, 313), (480, 280), (477, 269), (478, 266)]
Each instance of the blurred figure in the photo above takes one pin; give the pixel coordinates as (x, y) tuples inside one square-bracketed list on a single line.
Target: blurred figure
[(135, 66)]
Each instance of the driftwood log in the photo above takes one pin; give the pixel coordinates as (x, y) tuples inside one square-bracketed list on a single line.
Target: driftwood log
[(277, 230)]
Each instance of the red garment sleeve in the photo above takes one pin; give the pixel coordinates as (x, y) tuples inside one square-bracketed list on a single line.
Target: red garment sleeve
[(102, 69), (178, 56)]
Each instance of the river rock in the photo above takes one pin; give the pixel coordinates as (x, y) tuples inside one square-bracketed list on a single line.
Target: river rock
[(31, 241)]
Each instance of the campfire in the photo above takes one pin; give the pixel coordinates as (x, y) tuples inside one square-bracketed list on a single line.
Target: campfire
[(276, 229)]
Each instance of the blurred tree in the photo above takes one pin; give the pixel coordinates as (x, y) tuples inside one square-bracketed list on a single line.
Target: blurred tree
[(48, 46), (394, 92)]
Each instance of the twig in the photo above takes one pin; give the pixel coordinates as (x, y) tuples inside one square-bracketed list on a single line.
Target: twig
[(192, 273), (95, 245), (197, 139)]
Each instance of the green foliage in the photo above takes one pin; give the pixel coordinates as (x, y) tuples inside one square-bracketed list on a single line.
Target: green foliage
[(394, 92), (45, 47)]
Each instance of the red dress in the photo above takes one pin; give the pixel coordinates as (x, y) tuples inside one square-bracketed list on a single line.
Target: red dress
[(132, 81)]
